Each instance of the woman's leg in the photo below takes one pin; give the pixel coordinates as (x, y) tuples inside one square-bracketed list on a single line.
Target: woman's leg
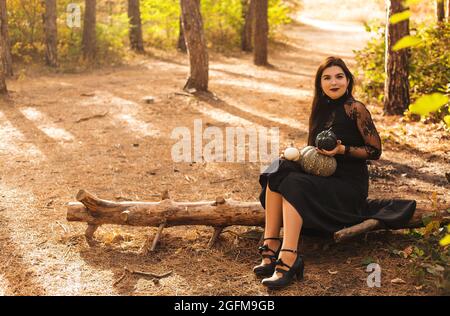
[(274, 216), (292, 225)]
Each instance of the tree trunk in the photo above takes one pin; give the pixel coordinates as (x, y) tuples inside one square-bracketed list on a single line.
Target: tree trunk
[(5, 43), (448, 11), (246, 34), (219, 214), (440, 10), (181, 45), (89, 41), (196, 45), (51, 33), (134, 15), (261, 30), (3, 89), (396, 89)]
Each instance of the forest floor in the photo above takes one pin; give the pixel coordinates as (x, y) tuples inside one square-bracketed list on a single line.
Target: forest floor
[(64, 132)]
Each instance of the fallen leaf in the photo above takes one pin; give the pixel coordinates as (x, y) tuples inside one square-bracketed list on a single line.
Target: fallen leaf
[(434, 269), (407, 251), (397, 281)]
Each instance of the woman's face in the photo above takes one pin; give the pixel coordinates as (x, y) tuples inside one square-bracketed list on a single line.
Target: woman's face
[(334, 82)]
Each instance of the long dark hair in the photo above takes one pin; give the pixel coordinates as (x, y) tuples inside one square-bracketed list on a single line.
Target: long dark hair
[(319, 108)]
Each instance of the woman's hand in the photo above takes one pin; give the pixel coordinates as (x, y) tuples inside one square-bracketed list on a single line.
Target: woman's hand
[(339, 149)]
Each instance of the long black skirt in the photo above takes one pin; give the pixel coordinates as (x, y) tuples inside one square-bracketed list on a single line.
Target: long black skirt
[(328, 204)]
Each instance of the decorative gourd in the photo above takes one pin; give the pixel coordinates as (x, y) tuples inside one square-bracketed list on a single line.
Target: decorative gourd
[(315, 163), (326, 140), (291, 153)]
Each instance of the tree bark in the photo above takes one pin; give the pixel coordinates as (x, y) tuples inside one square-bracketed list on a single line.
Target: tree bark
[(5, 42), (448, 11), (3, 88), (181, 45), (196, 45), (219, 214), (51, 33), (89, 41), (261, 30), (396, 89), (215, 213), (134, 14), (246, 34), (440, 11)]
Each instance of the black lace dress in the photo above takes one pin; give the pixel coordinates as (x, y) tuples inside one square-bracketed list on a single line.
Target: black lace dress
[(328, 204)]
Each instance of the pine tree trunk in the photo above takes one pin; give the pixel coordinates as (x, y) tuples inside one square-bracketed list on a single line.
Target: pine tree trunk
[(51, 33), (134, 14), (196, 45), (448, 11), (181, 45), (261, 30), (3, 89), (89, 40), (440, 10), (247, 15), (396, 90), (5, 43)]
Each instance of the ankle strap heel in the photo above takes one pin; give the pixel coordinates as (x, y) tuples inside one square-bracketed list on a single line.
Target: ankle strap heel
[(264, 269), (294, 271)]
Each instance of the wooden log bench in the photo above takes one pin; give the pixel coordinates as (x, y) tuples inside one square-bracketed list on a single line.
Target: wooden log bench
[(219, 214)]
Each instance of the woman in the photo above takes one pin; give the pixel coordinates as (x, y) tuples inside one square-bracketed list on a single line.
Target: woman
[(296, 200)]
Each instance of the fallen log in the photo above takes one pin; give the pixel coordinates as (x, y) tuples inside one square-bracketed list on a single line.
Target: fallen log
[(218, 214)]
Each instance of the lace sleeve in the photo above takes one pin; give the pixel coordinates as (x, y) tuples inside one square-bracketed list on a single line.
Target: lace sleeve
[(372, 148)]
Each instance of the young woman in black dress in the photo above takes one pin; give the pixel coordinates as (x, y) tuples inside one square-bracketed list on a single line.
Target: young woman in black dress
[(299, 201)]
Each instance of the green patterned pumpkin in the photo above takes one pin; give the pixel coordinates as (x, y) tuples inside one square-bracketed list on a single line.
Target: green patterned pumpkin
[(315, 163)]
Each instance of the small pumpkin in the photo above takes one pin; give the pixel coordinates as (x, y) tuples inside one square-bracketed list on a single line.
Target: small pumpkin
[(291, 153), (326, 140), (315, 163)]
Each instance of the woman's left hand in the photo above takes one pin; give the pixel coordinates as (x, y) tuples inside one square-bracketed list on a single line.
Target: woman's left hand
[(339, 149)]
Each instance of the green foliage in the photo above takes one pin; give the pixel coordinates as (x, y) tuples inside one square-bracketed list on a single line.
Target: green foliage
[(429, 258), (278, 15), (25, 28), (429, 70), (222, 21), (27, 31), (371, 62), (110, 37), (430, 63), (160, 22)]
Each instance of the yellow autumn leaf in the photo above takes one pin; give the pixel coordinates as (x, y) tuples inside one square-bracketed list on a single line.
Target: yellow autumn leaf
[(398, 17), (428, 103), (405, 42), (447, 120), (445, 241)]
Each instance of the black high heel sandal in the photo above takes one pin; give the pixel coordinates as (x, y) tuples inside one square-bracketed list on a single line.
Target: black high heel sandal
[(263, 269), (296, 271)]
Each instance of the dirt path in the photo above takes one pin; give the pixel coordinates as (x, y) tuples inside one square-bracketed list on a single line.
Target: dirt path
[(63, 132)]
